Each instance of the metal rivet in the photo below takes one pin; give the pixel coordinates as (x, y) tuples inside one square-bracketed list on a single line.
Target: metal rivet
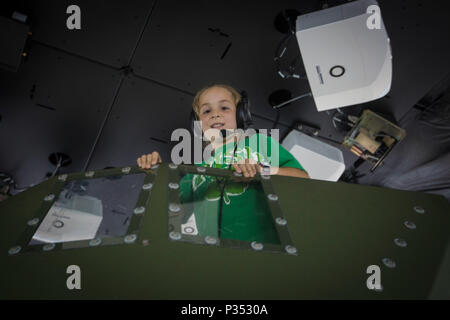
[(257, 246), (147, 186), (210, 240), (290, 249), (155, 166), (272, 197), (419, 210), (139, 210), (48, 247), (175, 235), (126, 170), (281, 221), (201, 169), (173, 207), (33, 222), (50, 197), (173, 166), (389, 263), (145, 242), (62, 177), (410, 225), (14, 250), (237, 174), (95, 242), (89, 174), (400, 242), (131, 238), (174, 186)]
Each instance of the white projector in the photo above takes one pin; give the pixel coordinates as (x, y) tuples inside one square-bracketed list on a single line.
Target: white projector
[(346, 54)]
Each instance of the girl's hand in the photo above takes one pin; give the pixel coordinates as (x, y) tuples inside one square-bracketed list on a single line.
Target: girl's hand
[(146, 161), (248, 168)]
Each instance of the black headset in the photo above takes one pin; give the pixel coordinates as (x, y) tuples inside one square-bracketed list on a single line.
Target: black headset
[(243, 115)]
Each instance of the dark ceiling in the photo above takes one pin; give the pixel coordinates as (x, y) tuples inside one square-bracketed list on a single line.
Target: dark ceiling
[(118, 87)]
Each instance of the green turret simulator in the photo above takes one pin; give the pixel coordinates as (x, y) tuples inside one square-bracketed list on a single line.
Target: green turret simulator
[(188, 232)]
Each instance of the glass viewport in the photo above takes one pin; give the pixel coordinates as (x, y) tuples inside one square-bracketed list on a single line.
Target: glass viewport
[(223, 208), (91, 208)]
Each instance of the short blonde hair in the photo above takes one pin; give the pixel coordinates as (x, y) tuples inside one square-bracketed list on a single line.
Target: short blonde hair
[(196, 103)]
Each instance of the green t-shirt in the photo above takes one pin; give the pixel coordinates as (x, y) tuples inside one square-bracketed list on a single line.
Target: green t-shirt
[(245, 213)]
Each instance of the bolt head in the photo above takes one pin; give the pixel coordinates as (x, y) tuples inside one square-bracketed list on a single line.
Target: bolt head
[(131, 238), (14, 250), (173, 185), (173, 166), (126, 170), (290, 249), (410, 225), (174, 235), (257, 246), (173, 207), (89, 174), (48, 247), (281, 221), (50, 197), (210, 240), (147, 186), (33, 222), (419, 210), (272, 197), (389, 263), (95, 242), (139, 210), (400, 242), (201, 169)]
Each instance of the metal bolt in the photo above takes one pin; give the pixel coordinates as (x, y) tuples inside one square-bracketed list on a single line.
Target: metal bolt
[(290, 249), (50, 197), (201, 169), (48, 247), (131, 238), (155, 166), (33, 222), (95, 242), (14, 250), (400, 242), (419, 210), (126, 170), (174, 235), (272, 197), (237, 174), (389, 263), (281, 221), (173, 207), (410, 225), (257, 246), (147, 186), (173, 166), (62, 177), (210, 240), (174, 186), (89, 174), (145, 242), (139, 210)]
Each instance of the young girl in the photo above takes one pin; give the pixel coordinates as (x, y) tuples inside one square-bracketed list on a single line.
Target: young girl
[(215, 106)]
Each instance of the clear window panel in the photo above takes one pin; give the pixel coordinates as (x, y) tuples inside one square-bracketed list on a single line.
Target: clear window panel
[(91, 208), (224, 208)]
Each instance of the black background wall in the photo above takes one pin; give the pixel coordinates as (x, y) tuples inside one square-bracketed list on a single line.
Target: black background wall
[(118, 87)]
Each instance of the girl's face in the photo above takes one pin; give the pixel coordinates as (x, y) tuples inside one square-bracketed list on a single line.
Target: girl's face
[(217, 109)]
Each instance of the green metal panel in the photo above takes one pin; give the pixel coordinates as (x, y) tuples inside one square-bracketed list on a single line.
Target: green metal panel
[(339, 230)]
